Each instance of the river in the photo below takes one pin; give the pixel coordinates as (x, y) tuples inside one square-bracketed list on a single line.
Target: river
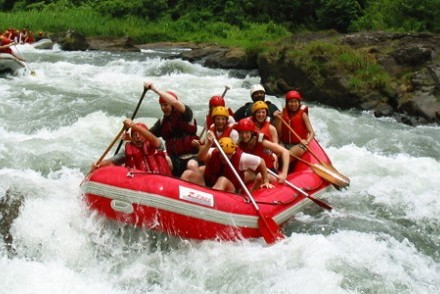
[(383, 235)]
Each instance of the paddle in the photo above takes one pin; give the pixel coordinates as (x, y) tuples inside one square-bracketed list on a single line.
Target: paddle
[(324, 173), (223, 96), (268, 227), (318, 202), (24, 61), (111, 145), (325, 170), (105, 153), (133, 116)]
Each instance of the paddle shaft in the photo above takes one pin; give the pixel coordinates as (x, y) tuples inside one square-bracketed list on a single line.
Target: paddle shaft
[(105, 153), (318, 202), (299, 138), (274, 235), (133, 116), (343, 181), (24, 61), (118, 136)]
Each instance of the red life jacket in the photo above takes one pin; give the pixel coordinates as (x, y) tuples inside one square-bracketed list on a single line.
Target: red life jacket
[(146, 159), (264, 128), (6, 41), (209, 121), (296, 122), (260, 151), (178, 134), (226, 132), (216, 168)]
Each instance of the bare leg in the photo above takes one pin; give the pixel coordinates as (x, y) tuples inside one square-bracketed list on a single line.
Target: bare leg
[(224, 184), (194, 176)]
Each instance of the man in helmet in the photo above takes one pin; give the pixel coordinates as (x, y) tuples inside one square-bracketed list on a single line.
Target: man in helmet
[(144, 151), (257, 94), (177, 127), (218, 174), (296, 116)]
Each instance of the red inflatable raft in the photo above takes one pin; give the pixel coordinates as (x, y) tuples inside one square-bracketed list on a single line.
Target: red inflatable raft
[(192, 211)]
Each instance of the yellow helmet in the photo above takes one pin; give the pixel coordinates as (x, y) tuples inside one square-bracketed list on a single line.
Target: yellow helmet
[(228, 145), (259, 105), (220, 110)]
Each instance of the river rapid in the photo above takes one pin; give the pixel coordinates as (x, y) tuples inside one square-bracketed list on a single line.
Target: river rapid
[(383, 235)]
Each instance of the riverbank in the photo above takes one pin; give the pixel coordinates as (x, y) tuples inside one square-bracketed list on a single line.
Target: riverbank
[(394, 75)]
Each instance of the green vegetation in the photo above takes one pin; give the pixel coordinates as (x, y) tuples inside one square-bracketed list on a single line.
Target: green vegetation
[(318, 59), (90, 23), (259, 26), (238, 23)]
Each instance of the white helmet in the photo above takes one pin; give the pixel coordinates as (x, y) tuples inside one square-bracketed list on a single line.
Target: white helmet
[(257, 87)]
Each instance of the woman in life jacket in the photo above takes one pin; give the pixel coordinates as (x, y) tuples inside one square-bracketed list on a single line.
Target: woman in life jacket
[(260, 117), (144, 151), (215, 101), (177, 128), (296, 116), (221, 126), (253, 142), (218, 174)]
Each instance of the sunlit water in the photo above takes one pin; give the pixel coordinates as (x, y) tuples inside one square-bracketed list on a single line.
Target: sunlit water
[(383, 235)]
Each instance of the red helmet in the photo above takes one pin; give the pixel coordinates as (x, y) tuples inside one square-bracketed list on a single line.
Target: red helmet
[(216, 101), (245, 124), (141, 125), (162, 100), (293, 95)]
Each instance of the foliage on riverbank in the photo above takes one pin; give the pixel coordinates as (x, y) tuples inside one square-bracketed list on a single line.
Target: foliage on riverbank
[(341, 15), (90, 23)]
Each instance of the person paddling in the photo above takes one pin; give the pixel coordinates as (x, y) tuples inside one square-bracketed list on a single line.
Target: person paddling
[(177, 127), (5, 47), (144, 151), (296, 116)]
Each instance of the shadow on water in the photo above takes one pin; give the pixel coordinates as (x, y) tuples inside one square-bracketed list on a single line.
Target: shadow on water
[(10, 205)]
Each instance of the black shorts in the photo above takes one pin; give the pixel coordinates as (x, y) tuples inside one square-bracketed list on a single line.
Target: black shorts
[(179, 164)]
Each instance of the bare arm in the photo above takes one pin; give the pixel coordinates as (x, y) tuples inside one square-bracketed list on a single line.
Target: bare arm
[(274, 133), (281, 152), (203, 154), (155, 141), (179, 106), (264, 175), (311, 133)]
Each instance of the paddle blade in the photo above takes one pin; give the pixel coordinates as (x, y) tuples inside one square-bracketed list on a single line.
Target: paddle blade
[(269, 230), (336, 172), (329, 175)]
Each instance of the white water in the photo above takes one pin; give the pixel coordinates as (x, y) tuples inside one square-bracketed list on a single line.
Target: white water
[(383, 235)]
